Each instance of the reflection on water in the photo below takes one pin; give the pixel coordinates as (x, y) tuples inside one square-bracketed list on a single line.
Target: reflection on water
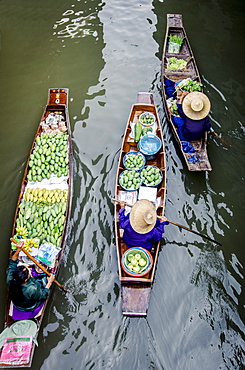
[(77, 25), (218, 306)]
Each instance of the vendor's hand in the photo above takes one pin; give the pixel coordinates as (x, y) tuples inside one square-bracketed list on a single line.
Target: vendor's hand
[(163, 219), (50, 280), (20, 244), (184, 93), (122, 204), (19, 247)]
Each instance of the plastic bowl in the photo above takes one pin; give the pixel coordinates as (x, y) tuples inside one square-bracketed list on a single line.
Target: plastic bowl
[(126, 180), (132, 166), (147, 119), (149, 177), (149, 145), (129, 258)]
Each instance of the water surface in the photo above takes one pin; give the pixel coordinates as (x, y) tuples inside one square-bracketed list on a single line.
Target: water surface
[(105, 53)]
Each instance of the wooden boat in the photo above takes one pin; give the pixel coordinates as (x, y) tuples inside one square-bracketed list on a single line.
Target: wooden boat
[(44, 189), (135, 291), (197, 161)]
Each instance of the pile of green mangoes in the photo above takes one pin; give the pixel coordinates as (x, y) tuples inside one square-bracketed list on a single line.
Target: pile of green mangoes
[(151, 176), (136, 262), (130, 180), (43, 220), (147, 119), (134, 161), (50, 156)]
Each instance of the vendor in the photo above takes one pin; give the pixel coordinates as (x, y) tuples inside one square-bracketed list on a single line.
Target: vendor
[(141, 226), (26, 292), (193, 108)]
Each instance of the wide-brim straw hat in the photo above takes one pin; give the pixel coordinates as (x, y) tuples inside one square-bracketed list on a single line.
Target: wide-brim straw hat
[(196, 105), (143, 216)]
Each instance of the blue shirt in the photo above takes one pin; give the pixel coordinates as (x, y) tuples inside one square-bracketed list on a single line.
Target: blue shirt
[(193, 129), (134, 239)]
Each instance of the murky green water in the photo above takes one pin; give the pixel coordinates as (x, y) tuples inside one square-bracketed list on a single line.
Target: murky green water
[(105, 53)]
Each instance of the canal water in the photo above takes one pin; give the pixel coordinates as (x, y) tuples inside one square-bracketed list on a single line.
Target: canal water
[(105, 53)]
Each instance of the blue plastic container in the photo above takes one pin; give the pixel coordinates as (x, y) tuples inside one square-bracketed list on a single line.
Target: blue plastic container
[(149, 145)]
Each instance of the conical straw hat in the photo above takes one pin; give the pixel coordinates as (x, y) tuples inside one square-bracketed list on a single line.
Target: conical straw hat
[(196, 105), (143, 216)]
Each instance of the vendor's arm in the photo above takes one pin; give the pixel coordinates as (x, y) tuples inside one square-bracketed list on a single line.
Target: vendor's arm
[(13, 262), (183, 95), (50, 281), (207, 124), (37, 292), (123, 220), (159, 228), (179, 104)]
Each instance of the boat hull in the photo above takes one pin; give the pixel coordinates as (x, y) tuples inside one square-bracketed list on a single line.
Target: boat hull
[(135, 291), (175, 27), (57, 103)]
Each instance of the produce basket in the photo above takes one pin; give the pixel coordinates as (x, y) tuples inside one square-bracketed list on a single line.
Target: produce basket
[(147, 118), (149, 145), (137, 261), (130, 180), (151, 176), (134, 161)]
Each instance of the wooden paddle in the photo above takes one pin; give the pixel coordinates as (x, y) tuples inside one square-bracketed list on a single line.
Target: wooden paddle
[(222, 140), (174, 223), (39, 265), (195, 232)]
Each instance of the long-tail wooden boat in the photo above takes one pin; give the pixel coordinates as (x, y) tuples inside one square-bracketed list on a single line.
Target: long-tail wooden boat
[(198, 160), (135, 291), (44, 203)]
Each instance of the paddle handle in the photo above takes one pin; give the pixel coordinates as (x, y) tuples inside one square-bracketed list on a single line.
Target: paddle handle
[(174, 223), (38, 264), (119, 201), (194, 232)]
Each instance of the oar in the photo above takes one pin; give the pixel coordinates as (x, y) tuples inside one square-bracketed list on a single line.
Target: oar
[(39, 265), (195, 232), (174, 223), (222, 140)]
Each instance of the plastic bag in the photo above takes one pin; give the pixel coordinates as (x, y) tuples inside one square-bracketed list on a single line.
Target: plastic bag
[(173, 47)]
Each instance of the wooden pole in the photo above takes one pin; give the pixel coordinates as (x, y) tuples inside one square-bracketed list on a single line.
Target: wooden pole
[(39, 265), (174, 223)]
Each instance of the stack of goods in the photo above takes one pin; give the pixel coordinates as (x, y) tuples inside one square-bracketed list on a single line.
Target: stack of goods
[(42, 215), (175, 43), (42, 210), (176, 63), (54, 123), (50, 156)]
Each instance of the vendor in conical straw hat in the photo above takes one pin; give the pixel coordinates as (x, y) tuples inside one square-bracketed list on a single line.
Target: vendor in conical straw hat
[(141, 226), (194, 108)]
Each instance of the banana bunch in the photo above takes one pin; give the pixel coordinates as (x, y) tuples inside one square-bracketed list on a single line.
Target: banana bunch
[(30, 243), (22, 231)]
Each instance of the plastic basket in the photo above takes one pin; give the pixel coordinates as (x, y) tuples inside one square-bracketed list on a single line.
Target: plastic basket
[(149, 145), (148, 183), (145, 114), (134, 154), (131, 186), (144, 254)]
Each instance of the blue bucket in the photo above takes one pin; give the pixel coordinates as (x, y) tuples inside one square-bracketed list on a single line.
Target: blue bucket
[(149, 145)]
